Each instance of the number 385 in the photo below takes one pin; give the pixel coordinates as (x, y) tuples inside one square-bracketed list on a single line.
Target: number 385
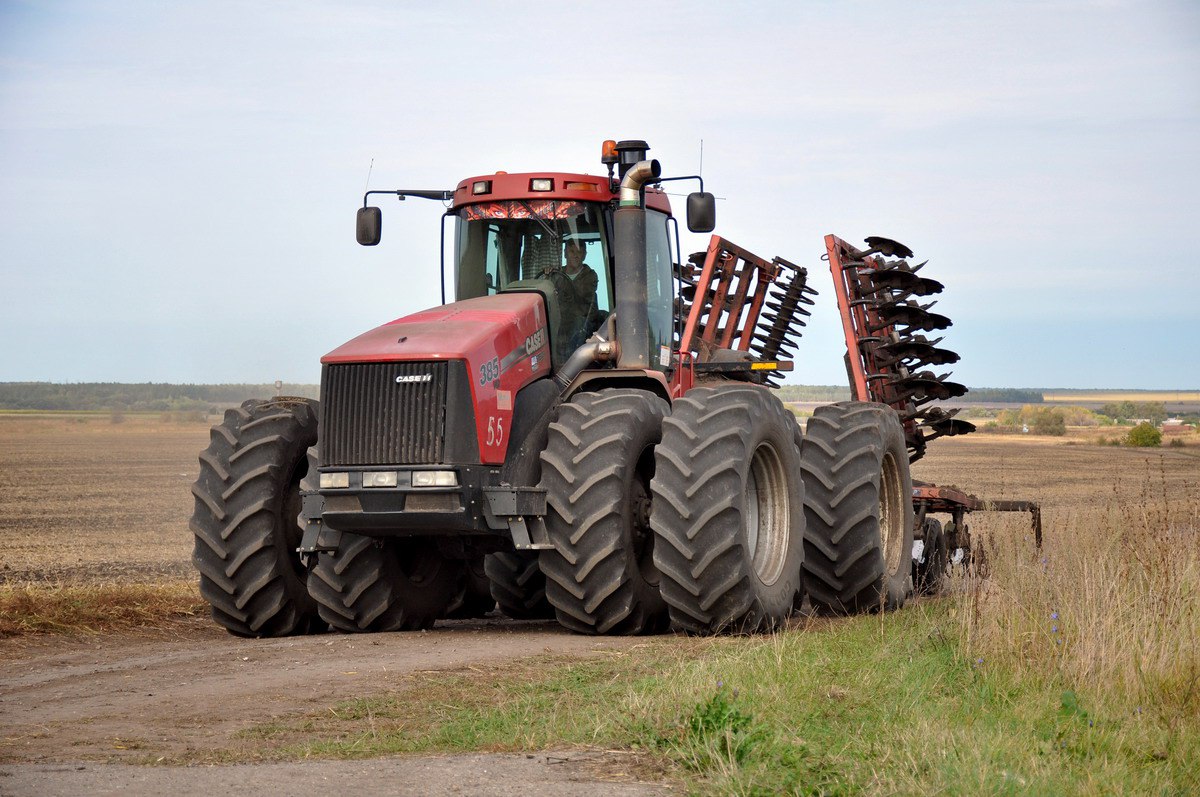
[(489, 371)]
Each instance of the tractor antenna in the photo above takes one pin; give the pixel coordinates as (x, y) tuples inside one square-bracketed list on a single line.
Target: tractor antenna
[(370, 168), (700, 171)]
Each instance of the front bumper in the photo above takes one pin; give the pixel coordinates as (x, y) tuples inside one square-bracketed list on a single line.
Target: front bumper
[(479, 505), (406, 511)]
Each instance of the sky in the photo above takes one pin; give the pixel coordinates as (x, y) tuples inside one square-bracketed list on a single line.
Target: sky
[(178, 181)]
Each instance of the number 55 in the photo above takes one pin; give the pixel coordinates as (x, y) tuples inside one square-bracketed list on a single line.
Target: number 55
[(495, 430)]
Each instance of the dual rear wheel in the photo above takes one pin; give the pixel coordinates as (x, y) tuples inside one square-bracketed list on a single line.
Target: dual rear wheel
[(688, 516), (728, 511)]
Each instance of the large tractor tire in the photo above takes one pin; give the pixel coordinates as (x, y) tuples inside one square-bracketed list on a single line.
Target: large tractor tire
[(729, 511), (245, 519), (383, 584), (929, 571), (858, 505), (518, 585), (596, 470)]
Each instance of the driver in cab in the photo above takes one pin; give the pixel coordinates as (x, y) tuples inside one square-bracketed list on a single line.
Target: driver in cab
[(575, 284)]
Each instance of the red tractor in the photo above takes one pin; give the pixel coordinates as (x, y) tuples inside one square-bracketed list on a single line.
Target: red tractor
[(585, 432)]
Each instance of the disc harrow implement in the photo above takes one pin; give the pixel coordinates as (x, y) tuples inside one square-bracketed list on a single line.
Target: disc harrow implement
[(741, 314), (878, 292), (888, 360)]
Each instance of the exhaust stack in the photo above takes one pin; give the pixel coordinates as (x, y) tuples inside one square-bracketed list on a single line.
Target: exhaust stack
[(629, 267)]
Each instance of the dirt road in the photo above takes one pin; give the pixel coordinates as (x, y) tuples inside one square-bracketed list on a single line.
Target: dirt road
[(187, 694)]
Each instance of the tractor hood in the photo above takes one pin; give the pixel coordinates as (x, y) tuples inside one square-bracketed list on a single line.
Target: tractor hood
[(486, 327), (501, 340)]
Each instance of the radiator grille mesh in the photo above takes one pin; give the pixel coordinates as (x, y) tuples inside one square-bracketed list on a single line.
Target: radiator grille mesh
[(370, 418)]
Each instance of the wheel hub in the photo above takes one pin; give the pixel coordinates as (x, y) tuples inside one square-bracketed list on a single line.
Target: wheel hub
[(767, 514)]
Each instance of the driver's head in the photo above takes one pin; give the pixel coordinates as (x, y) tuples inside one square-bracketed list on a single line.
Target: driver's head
[(573, 251)]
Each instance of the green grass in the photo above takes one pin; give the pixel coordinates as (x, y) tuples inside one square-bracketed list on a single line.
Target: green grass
[(865, 705)]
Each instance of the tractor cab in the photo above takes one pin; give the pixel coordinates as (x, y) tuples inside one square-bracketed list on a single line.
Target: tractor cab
[(512, 235), (557, 248), (558, 235)]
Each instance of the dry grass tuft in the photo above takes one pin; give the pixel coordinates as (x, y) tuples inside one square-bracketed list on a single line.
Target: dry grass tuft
[(94, 608), (1112, 603)]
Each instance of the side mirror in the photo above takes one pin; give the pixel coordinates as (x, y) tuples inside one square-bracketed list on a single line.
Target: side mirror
[(368, 226), (701, 212)]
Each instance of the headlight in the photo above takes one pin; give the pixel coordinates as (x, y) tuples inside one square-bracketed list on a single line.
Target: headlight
[(380, 478), (330, 481), (434, 478)]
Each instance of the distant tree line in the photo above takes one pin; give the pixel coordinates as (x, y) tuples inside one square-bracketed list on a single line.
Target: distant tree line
[(1040, 420), (166, 397), (828, 393), (1008, 395), (1046, 420), (148, 397)]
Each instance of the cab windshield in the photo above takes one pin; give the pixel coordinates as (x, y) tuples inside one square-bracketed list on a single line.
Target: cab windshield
[(515, 244)]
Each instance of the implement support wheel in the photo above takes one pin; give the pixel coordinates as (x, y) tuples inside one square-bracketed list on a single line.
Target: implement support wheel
[(929, 572)]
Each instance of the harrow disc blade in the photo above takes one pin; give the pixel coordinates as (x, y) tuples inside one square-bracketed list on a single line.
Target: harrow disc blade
[(922, 352), (689, 292), (801, 297), (949, 427), (788, 305), (926, 385), (913, 317), (776, 335), (888, 247), (905, 281)]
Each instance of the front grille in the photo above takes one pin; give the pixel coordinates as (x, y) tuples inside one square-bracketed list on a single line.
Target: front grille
[(370, 418)]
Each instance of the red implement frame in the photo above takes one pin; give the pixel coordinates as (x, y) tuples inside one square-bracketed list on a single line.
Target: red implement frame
[(729, 319), (856, 323), (929, 498)]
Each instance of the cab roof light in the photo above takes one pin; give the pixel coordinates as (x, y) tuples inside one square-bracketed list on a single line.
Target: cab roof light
[(541, 184), (581, 187), (608, 152), (481, 187)]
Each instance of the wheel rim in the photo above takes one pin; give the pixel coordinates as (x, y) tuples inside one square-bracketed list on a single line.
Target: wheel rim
[(767, 514), (891, 513)]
